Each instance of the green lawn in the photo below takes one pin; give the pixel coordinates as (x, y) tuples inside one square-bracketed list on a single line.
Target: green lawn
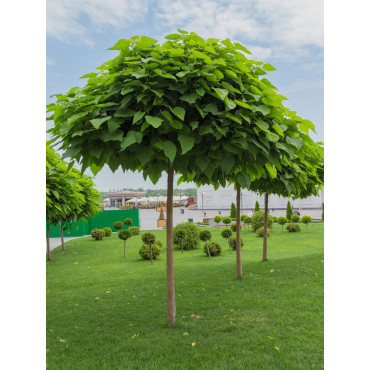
[(107, 312)]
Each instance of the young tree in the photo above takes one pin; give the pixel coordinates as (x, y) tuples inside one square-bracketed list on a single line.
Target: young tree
[(226, 233), (289, 211), (217, 219), (233, 210), (282, 221), (124, 235), (226, 220), (149, 239), (306, 220), (256, 206), (204, 236), (180, 235), (147, 108)]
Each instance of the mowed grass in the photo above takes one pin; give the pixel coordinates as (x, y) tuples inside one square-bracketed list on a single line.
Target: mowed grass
[(107, 312)]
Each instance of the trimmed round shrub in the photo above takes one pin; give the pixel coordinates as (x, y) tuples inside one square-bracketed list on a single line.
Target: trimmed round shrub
[(282, 220), (295, 218), (217, 219), (205, 235), (260, 232), (306, 219), (226, 220), (134, 230), (226, 233), (108, 231), (127, 221), (118, 225), (98, 234), (247, 220), (145, 251), (148, 238), (274, 218), (124, 234), (233, 242), (214, 249), (293, 227), (258, 220), (233, 227), (159, 243), (191, 239)]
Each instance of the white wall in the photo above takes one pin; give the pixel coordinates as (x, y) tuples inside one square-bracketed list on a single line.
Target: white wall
[(208, 198)]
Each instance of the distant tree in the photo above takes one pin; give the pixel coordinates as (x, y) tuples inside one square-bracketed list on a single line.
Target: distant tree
[(289, 211), (204, 236), (124, 235), (256, 206), (306, 220), (226, 220), (282, 221), (226, 233), (233, 210), (217, 219), (295, 218)]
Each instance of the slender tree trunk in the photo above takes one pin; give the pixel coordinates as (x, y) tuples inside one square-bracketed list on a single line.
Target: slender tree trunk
[(61, 235), (48, 241), (264, 256), (151, 254), (239, 273), (209, 255), (124, 249), (171, 301)]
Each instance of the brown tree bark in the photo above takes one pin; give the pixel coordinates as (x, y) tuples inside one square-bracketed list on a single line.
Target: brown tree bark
[(265, 235), (209, 254), (171, 302), (61, 235), (239, 273), (48, 241)]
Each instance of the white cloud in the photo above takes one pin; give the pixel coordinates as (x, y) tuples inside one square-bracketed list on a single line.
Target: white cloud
[(63, 20)]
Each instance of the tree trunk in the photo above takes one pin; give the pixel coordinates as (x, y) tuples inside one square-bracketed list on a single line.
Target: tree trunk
[(124, 249), (171, 301), (265, 235), (239, 273), (151, 254), (209, 255), (48, 241), (61, 235)]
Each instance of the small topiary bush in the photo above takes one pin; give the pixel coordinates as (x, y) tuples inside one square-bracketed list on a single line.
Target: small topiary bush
[(293, 227), (214, 249), (127, 221), (306, 220), (145, 251), (233, 227), (124, 234), (98, 234), (282, 221), (148, 238), (226, 233), (260, 232), (134, 230), (108, 231), (275, 218), (295, 218), (217, 219), (226, 220), (258, 220), (159, 243), (232, 241), (118, 225), (191, 239)]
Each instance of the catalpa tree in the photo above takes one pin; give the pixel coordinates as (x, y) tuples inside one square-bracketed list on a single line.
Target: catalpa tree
[(190, 106)]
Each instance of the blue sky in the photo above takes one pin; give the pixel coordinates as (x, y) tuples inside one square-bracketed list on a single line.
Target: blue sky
[(285, 33)]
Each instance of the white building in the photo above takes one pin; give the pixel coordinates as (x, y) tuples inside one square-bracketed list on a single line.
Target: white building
[(209, 198)]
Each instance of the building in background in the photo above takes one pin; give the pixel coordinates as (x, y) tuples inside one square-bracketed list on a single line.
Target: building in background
[(209, 198), (121, 197)]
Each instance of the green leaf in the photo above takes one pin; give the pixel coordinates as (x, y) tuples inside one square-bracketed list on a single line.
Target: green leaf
[(230, 103), (239, 46), (121, 45), (126, 90), (165, 75), (295, 141), (194, 124), (286, 148), (132, 137), (270, 136), (182, 73), (154, 121), (231, 73), (173, 36), (227, 163), (308, 124), (262, 125), (271, 169), (303, 128), (98, 121), (212, 108), (200, 91), (145, 154), (202, 162), (229, 87), (205, 129), (242, 104), (243, 67), (222, 93), (183, 32), (232, 117), (138, 116), (179, 112), (190, 98), (278, 129), (186, 142), (268, 67), (75, 117), (95, 168), (169, 150), (262, 108)]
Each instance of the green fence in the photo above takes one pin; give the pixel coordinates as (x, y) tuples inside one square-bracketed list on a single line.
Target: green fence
[(102, 219)]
